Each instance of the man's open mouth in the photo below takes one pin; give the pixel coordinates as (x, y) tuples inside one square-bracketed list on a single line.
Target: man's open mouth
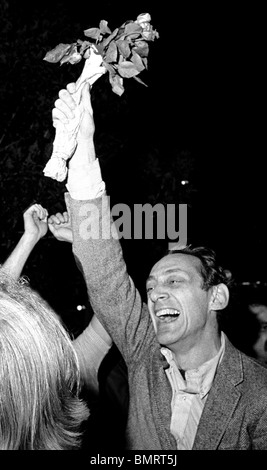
[(167, 314)]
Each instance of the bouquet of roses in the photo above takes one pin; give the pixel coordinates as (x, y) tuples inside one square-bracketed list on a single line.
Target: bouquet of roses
[(122, 53)]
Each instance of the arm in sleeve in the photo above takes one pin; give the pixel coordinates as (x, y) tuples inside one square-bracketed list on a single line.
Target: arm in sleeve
[(112, 293), (259, 438)]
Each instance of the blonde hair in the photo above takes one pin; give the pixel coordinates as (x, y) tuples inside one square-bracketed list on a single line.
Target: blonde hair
[(39, 374)]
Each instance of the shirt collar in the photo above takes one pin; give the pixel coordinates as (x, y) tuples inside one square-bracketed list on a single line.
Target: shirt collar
[(197, 380)]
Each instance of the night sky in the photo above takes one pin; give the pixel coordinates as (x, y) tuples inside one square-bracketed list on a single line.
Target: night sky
[(204, 97)]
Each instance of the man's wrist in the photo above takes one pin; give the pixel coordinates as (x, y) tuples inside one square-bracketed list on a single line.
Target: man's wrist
[(83, 155)]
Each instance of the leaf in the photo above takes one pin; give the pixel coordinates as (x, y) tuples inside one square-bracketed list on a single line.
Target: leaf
[(124, 48), (116, 84), (121, 31), (132, 36), (107, 40), (93, 33), (150, 35), (84, 46), (73, 57), (141, 48), (145, 62), (140, 81), (127, 69), (110, 68), (56, 54), (137, 61), (124, 51), (132, 28), (112, 52), (103, 26)]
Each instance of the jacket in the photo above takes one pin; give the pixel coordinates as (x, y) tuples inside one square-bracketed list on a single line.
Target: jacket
[(235, 413)]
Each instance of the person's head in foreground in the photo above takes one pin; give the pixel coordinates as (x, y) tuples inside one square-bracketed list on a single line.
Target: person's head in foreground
[(186, 288), (39, 375)]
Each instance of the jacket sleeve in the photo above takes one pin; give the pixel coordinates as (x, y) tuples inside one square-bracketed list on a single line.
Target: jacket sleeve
[(112, 293), (259, 436)]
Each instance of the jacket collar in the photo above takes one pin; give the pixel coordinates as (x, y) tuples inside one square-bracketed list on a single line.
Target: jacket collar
[(222, 400)]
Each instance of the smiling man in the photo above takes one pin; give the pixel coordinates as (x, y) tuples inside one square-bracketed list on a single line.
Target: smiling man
[(183, 311), (189, 387)]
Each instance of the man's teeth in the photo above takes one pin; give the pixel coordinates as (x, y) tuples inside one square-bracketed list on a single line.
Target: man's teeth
[(167, 311)]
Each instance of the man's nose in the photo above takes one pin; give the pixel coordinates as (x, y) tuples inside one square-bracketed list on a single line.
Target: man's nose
[(158, 293)]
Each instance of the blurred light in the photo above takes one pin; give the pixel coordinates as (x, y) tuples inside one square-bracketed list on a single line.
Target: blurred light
[(183, 182), (80, 307), (253, 283)]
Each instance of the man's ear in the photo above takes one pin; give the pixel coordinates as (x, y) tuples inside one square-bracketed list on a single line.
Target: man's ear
[(220, 297)]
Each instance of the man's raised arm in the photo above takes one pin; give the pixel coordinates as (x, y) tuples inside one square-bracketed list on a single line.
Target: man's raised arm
[(96, 247)]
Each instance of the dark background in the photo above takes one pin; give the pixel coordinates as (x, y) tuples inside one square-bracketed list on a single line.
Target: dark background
[(200, 119)]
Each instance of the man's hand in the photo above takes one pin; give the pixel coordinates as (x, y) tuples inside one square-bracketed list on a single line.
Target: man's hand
[(66, 108), (35, 222), (60, 226)]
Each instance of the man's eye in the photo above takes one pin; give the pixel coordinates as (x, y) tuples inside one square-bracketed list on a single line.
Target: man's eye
[(149, 289), (174, 281)]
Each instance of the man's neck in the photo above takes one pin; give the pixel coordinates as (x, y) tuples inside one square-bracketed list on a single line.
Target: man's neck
[(194, 357)]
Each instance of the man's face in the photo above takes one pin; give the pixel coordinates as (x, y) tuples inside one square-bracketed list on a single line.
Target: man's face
[(260, 346), (177, 303)]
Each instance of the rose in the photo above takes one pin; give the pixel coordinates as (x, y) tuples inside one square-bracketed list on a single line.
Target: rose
[(122, 53), (143, 19)]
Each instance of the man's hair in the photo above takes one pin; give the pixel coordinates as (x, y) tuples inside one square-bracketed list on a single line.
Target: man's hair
[(39, 374), (210, 270)]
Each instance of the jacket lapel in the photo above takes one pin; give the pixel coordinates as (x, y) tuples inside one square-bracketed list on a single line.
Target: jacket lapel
[(161, 405), (222, 400)]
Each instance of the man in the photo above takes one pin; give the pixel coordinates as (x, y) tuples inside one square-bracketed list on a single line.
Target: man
[(189, 387)]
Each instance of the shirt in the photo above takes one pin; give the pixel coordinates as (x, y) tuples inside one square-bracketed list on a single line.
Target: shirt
[(85, 182), (189, 396)]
